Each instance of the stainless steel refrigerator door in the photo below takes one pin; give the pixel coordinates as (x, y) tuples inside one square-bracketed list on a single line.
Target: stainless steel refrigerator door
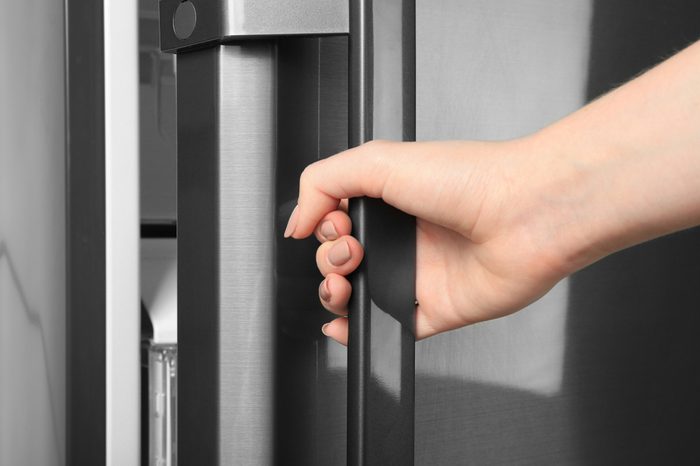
[(602, 370), (594, 373), (33, 310)]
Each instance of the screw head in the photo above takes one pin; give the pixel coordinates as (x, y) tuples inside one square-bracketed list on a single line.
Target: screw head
[(184, 20)]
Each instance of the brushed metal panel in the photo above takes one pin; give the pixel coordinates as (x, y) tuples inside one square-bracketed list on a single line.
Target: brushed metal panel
[(226, 251), (291, 17), (250, 118), (601, 370), (247, 149), (220, 20)]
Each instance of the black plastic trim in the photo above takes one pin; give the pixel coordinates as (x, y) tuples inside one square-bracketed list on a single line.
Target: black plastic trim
[(158, 229)]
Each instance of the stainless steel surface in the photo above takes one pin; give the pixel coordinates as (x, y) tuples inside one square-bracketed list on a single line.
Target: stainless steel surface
[(381, 340), (247, 152), (291, 17), (393, 80), (310, 375), (602, 370), (226, 234), (32, 234), (237, 19)]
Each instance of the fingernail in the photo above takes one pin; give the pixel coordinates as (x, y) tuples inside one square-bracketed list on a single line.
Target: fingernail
[(328, 230), (324, 291), (339, 254), (324, 327), (292, 223)]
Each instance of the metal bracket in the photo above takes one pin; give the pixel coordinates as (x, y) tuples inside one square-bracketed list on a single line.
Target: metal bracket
[(197, 23)]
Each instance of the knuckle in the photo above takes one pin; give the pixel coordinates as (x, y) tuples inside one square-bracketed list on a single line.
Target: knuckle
[(307, 174)]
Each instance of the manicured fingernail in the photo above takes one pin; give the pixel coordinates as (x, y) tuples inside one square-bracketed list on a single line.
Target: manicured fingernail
[(339, 254), (292, 223), (324, 291), (328, 230), (324, 328)]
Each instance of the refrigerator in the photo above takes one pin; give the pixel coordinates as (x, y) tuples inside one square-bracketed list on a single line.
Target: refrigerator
[(192, 328)]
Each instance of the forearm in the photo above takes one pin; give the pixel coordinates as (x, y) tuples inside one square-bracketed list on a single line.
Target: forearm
[(634, 160)]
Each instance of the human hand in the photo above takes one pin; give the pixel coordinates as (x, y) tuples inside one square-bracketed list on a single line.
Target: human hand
[(487, 224), (499, 223)]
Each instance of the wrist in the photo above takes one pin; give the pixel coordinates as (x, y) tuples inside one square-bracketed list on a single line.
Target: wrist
[(573, 215)]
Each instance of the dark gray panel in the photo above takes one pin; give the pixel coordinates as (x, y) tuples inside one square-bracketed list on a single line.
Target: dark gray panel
[(310, 369), (157, 120), (85, 234), (601, 370)]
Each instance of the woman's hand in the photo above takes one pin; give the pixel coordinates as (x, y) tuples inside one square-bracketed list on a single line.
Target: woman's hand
[(487, 224), (500, 223)]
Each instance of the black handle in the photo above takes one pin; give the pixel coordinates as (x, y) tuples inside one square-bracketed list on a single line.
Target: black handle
[(381, 347)]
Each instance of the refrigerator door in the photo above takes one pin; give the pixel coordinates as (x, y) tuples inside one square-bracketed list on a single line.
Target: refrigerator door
[(33, 256), (602, 370), (599, 371)]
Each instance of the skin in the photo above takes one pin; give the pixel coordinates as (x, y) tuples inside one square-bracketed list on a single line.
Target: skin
[(500, 223)]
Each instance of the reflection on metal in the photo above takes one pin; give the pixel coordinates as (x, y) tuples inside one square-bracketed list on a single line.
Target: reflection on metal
[(34, 319), (526, 351), (381, 346), (226, 20), (603, 369), (226, 235), (157, 120)]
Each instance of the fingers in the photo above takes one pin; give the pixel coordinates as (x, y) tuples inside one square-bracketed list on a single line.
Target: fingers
[(337, 329), (356, 172), (341, 256), (333, 226), (334, 293)]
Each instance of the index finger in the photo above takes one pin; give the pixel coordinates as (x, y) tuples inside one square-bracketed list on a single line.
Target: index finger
[(324, 184)]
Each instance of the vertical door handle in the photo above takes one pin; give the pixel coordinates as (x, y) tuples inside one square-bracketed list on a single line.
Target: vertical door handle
[(381, 347)]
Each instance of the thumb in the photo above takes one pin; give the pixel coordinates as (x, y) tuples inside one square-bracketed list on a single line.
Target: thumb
[(430, 180), (361, 171)]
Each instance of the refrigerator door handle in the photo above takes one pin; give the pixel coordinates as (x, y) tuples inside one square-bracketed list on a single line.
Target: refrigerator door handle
[(226, 153), (381, 347)]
